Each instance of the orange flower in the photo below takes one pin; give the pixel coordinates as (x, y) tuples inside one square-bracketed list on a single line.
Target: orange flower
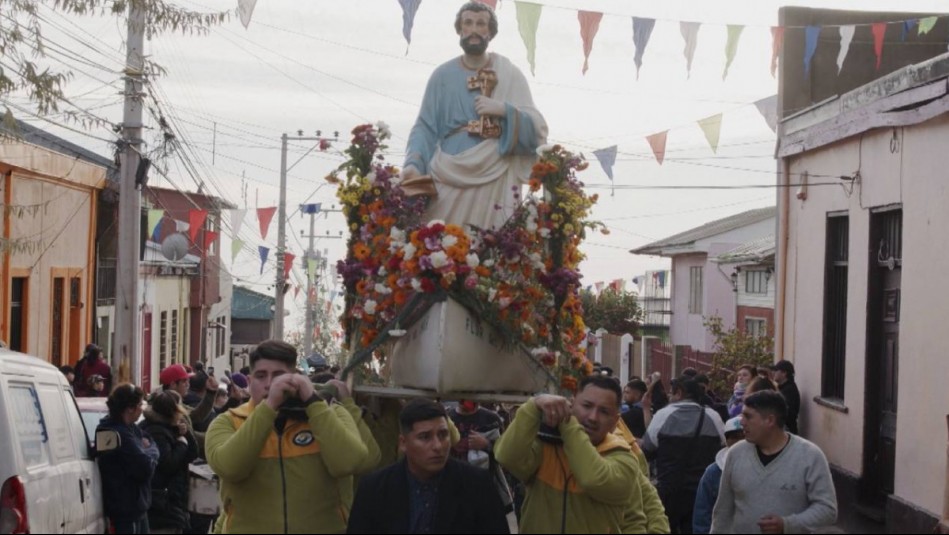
[(568, 383), (363, 286), (400, 298), (535, 184), (361, 251), (587, 368)]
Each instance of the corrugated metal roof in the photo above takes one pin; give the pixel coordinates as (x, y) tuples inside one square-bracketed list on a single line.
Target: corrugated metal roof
[(31, 134), (753, 251), (708, 230), (251, 305)]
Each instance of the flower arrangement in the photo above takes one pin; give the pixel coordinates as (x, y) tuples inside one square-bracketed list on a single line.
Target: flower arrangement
[(521, 279)]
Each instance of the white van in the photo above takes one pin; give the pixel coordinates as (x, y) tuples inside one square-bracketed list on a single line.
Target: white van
[(49, 482)]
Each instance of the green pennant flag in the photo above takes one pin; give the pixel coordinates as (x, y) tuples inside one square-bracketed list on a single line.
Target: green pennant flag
[(528, 19), (236, 246), (311, 269), (712, 128), (731, 48), (927, 24)]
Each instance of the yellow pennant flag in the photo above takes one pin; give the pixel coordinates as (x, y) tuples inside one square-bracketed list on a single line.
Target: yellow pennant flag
[(712, 128), (236, 246), (528, 19), (927, 24), (154, 218)]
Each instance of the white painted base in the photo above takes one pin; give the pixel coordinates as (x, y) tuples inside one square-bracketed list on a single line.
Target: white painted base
[(451, 351)]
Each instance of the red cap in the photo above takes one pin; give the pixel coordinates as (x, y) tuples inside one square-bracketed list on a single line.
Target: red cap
[(173, 373)]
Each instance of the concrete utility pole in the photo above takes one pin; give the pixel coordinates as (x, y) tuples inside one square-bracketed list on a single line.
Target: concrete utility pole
[(282, 219), (126, 351), (311, 254)]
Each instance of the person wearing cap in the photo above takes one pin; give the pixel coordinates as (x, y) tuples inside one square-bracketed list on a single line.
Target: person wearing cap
[(707, 493), (282, 456), (784, 376), (97, 386), (177, 378)]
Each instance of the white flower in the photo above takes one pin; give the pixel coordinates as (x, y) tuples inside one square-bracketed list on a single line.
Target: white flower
[(531, 225), (538, 351), (537, 260), (492, 294), (371, 177), (439, 259), (544, 148), (384, 130), (417, 285), (370, 307), (449, 241), (545, 233), (397, 333), (383, 272), (504, 302), (473, 260), (408, 252), (397, 235), (383, 289), (434, 222), (488, 263)]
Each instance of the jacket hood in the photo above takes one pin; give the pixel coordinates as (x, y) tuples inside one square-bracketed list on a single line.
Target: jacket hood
[(153, 417)]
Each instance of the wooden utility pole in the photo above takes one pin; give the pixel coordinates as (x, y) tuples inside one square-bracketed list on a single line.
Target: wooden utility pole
[(126, 351)]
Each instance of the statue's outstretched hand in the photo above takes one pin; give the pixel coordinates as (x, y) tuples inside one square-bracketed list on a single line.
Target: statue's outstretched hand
[(489, 106), (409, 173)]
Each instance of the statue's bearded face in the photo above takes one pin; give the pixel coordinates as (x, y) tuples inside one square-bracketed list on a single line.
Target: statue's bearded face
[(475, 32)]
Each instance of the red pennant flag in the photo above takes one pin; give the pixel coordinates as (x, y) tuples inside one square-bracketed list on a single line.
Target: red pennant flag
[(589, 25), (196, 220), (658, 144), (492, 3), (287, 264), (209, 238), (879, 32), (264, 216), (777, 32)]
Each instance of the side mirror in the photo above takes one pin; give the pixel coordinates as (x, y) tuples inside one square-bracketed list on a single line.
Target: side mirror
[(107, 440)]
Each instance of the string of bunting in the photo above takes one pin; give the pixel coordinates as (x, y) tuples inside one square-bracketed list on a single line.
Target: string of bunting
[(21, 210), (20, 246)]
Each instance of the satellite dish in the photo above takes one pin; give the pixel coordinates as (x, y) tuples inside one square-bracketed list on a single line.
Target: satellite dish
[(175, 247)]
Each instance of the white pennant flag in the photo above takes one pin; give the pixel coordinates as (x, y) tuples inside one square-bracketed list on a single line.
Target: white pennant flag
[(246, 9), (846, 37), (768, 107), (237, 221)]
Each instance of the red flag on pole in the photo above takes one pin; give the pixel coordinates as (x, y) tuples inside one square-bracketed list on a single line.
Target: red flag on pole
[(196, 220)]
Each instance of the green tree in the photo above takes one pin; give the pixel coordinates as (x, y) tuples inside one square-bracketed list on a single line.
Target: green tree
[(733, 349), (25, 64), (617, 312)]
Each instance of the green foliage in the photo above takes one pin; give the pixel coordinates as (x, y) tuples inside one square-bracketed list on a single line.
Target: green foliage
[(732, 350), (23, 48), (617, 312)]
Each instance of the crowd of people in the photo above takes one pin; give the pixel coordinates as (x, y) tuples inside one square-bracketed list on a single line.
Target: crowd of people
[(303, 454)]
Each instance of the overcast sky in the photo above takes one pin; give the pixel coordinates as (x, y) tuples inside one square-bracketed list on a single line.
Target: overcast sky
[(334, 64)]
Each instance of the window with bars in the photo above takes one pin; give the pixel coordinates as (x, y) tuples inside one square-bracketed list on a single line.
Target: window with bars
[(59, 307), (835, 307), (174, 336), (695, 289), (163, 341), (756, 282)]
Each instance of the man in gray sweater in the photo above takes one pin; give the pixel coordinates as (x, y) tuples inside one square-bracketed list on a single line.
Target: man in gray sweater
[(773, 482)]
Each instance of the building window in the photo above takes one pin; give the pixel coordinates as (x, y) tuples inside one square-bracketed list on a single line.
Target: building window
[(756, 327), (174, 335), (756, 282), (59, 307), (163, 340), (695, 292), (19, 307), (835, 307)]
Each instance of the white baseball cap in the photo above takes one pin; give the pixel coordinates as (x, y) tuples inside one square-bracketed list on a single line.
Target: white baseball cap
[(733, 425)]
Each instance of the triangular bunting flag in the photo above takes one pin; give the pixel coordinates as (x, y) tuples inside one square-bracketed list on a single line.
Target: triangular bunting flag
[(777, 36), (264, 252), (768, 108), (846, 38), (409, 8), (662, 279), (209, 238), (642, 31), (879, 34), (607, 158), (264, 216), (196, 219), (712, 128), (599, 286), (287, 264), (589, 25), (926, 25), (493, 4), (528, 19), (908, 26), (236, 246), (311, 269), (811, 34), (237, 221), (731, 47), (154, 218), (245, 8), (690, 32), (658, 144), (311, 209)]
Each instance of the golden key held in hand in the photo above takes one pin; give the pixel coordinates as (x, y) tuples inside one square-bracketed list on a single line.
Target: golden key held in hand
[(487, 127)]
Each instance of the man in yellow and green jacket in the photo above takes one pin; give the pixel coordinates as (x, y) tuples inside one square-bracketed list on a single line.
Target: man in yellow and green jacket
[(281, 467), (589, 482)]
